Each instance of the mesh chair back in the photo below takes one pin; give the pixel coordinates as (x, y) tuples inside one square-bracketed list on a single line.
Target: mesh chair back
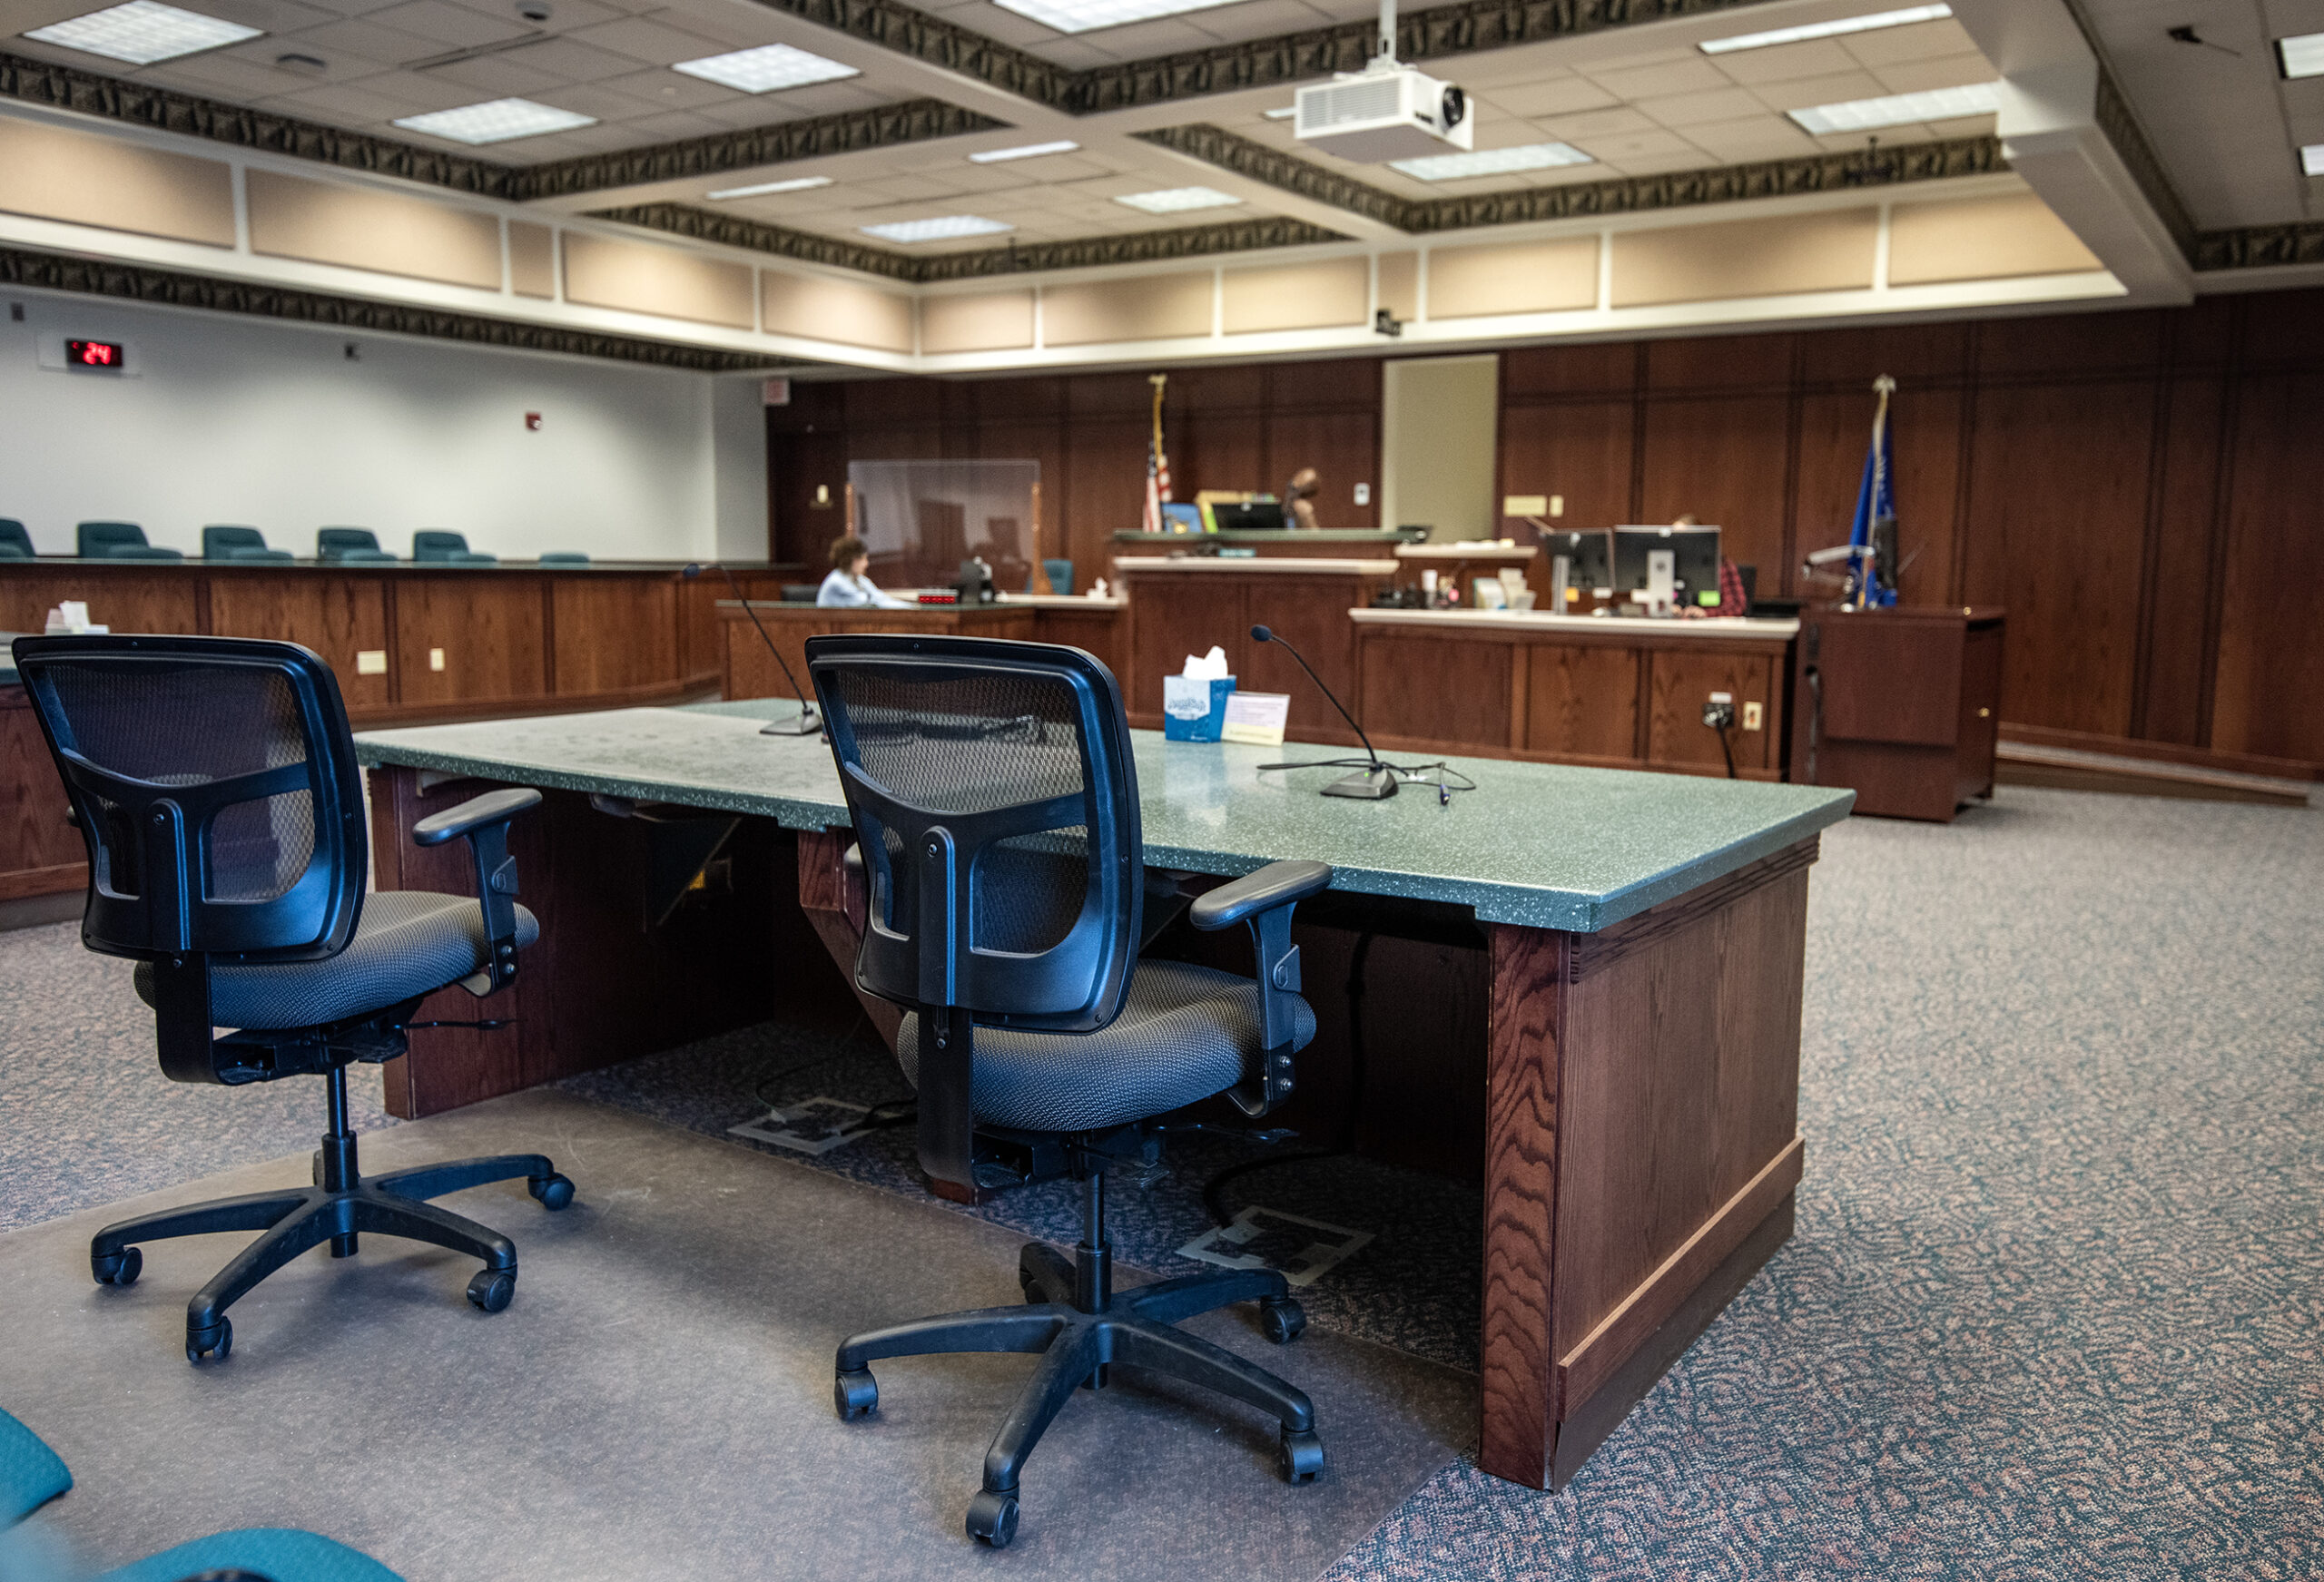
[(433, 544), (215, 783), (995, 801), (95, 540), (15, 542), (331, 542)]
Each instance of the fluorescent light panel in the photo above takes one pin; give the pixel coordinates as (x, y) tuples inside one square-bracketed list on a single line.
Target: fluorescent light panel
[(1088, 15), (766, 70), (946, 228), (497, 121), (768, 188), (1177, 199), (2311, 159), (2300, 56), (143, 31), (1899, 109), (1029, 151), (1845, 25), (1496, 162)]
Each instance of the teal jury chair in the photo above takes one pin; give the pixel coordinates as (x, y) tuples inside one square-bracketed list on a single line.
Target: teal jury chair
[(220, 541), (1060, 576), (564, 557), (118, 541), (350, 546), (31, 1475), (439, 547), (15, 543)]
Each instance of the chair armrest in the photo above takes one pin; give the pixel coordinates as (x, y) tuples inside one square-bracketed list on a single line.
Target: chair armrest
[(492, 807), (1264, 900), (1278, 884), (484, 820)]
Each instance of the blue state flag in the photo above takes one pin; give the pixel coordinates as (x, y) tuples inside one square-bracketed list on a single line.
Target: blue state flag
[(1872, 568)]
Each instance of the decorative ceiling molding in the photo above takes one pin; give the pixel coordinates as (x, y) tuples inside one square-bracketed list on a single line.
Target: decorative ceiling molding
[(2259, 246), (812, 137), (1918, 162), (921, 36), (171, 288), (1138, 247), (2113, 112)]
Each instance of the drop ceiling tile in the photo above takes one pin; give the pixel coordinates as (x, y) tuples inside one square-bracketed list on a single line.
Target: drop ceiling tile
[(569, 59), (417, 91), (357, 102), (1753, 138), (354, 7), (1564, 96), (1595, 123), (732, 26), (577, 144), (366, 40), (1502, 68), (597, 99), (671, 89), (223, 75), (828, 98), (1659, 57), (1798, 92), (1692, 109), (339, 65), (1695, 75), (737, 110), (449, 27), (1621, 148), (1888, 47), (672, 126), (1661, 164), (1820, 57), (645, 38), (1964, 126), (1945, 72), (275, 16), (496, 77)]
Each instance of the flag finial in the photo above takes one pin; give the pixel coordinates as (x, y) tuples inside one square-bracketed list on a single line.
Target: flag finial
[(1886, 385)]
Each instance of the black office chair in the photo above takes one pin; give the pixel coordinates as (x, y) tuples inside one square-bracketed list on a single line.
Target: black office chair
[(214, 782), (118, 541), (350, 546), (433, 545), (15, 543), (220, 541), (996, 812)]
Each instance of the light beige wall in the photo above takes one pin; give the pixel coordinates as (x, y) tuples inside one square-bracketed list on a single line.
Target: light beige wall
[(836, 310), (1521, 277), (532, 260), (982, 321), (1313, 296), (1400, 285), (1746, 258), (641, 278), (325, 222), (1144, 307), (1981, 239), (1440, 418), (97, 181)]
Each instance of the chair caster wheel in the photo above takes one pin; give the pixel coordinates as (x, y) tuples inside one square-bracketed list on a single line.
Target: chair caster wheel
[(992, 1518), (1281, 1318), (1299, 1457), (855, 1394), (493, 1289), (1031, 1288), (218, 1343), (120, 1268), (555, 1191)]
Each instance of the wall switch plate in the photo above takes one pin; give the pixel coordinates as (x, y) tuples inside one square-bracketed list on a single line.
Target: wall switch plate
[(435, 659), (1752, 715), (1526, 505), (1363, 494), (371, 662)]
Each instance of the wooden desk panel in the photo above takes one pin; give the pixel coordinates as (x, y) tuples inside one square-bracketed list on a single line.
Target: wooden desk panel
[(751, 672), (612, 634), (338, 616), (40, 853), (491, 629), (151, 597), (1902, 705)]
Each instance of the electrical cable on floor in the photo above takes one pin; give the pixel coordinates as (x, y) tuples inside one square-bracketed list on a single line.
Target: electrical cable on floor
[(1213, 1201), (1727, 747), (759, 1088)]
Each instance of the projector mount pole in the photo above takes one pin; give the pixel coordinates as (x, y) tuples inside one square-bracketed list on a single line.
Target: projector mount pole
[(1386, 58)]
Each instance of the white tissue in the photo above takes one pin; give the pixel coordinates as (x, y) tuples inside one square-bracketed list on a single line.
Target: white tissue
[(1211, 666)]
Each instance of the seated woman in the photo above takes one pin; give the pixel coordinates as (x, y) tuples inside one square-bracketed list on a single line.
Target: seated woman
[(847, 586)]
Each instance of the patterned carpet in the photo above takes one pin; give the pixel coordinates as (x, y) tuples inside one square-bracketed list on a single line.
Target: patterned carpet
[(2055, 1308)]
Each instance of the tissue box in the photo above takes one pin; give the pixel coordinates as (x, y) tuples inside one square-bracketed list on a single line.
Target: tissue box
[(1194, 708)]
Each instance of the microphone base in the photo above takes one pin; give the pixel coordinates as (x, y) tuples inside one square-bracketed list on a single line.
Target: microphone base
[(1364, 785), (806, 725)]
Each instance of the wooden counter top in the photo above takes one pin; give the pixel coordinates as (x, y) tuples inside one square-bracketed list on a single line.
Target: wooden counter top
[(1628, 629)]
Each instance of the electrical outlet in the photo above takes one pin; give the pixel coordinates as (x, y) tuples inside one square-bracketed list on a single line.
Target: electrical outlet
[(435, 659), (1719, 711), (1556, 505), (1753, 716), (1363, 494)]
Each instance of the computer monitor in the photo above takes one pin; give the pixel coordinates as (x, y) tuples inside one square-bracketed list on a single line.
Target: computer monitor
[(1251, 516), (1589, 555), (1694, 553)]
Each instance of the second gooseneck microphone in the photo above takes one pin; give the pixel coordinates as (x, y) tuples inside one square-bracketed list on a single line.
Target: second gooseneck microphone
[(808, 723), (1376, 783)]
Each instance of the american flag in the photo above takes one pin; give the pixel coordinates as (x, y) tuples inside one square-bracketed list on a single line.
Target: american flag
[(1158, 487)]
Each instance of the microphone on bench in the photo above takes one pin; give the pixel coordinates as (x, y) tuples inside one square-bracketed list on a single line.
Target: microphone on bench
[(808, 723), (1376, 783)]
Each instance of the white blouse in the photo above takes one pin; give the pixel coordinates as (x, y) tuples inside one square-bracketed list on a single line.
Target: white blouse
[(841, 591)]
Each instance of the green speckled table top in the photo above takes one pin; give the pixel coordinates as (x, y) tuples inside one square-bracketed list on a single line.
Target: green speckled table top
[(1541, 844)]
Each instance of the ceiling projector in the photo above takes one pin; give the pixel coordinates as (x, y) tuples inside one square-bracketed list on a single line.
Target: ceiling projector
[(1386, 111)]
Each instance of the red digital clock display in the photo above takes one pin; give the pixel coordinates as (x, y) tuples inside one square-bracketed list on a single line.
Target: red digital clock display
[(94, 353)]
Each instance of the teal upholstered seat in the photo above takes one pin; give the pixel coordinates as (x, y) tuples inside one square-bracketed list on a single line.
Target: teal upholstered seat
[(221, 542), (439, 547), (350, 546), (1060, 576), (565, 557), (118, 541), (31, 1474), (15, 543)]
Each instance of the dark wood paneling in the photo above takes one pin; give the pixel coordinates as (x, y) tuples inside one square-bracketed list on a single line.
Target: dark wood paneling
[(1457, 691), (1721, 362), (1580, 449), (1601, 367), (1310, 613), (337, 616), (491, 628), (2057, 500), (2181, 566), (751, 672), (1100, 632), (1915, 355), (40, 853), (135, 601), (2069, 344), (1723, 459), (1168, 615), (613, 631), (2270, 696), (1526, 1039), (1680, 681), (1343, 447), (1582, 702)]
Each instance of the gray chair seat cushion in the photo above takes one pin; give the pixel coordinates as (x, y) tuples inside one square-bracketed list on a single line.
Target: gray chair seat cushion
[(1185, 1032), (407, 942)]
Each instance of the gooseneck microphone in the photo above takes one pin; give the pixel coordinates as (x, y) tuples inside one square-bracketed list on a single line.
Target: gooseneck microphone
[(808, 723), (1373, 784)]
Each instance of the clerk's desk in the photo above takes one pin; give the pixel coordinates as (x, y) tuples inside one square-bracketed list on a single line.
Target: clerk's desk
[(1640, 943)]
